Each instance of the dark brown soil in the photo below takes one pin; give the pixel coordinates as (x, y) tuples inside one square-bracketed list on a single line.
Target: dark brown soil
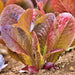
[(66, 66)]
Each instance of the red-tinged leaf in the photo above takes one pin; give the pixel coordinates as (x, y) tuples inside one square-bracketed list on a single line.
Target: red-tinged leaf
[(32, 69), (37, 14), (37, 52), (23, 3), (25, 20), (48, 65), (51, 38), (17, 41), (25, 59), (66, 28), (24, 69), (11, 14), (42, 28), (2, 61), (52, 52), (48, 7), (64, 6), (40, 4)]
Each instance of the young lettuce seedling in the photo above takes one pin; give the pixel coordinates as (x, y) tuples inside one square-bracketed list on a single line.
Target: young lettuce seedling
[(39, 47)]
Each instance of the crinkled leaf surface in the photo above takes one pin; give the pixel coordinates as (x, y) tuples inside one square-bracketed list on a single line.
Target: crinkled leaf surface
[(66, 27), (37, 52), (64, 6), (51, 38), (37, 14), (25, 20), (1, 6), (42, 27), (11, 14), (2, 61), (17, 41), (23, 3)]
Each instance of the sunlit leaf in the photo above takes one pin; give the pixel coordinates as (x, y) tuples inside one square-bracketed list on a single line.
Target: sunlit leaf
[(11, 14), (42, 28), (25, 20), (1, 6), (23, 3), (64, 6), (37, 14)]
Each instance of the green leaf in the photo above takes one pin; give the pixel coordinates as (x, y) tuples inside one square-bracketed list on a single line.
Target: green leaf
[(42, 28), (11, 14)]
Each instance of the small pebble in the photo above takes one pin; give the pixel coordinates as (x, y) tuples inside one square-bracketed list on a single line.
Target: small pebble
[(71, 69)]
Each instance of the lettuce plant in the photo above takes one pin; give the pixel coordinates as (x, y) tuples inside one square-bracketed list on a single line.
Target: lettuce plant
[(37, 39)]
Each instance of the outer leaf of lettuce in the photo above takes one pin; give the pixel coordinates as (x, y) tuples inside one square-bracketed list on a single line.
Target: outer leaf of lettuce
[(66, 28), (17, 41), (42, 28), (25, 59), (64, 6), (11, 14)]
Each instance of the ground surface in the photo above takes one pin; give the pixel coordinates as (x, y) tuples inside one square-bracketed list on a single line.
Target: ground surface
[(66, 65)]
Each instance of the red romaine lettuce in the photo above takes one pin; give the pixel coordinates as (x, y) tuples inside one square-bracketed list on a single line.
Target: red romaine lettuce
[(42, 44)]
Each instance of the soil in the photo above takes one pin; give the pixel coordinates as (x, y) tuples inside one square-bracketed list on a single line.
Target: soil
[(65, 64)]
